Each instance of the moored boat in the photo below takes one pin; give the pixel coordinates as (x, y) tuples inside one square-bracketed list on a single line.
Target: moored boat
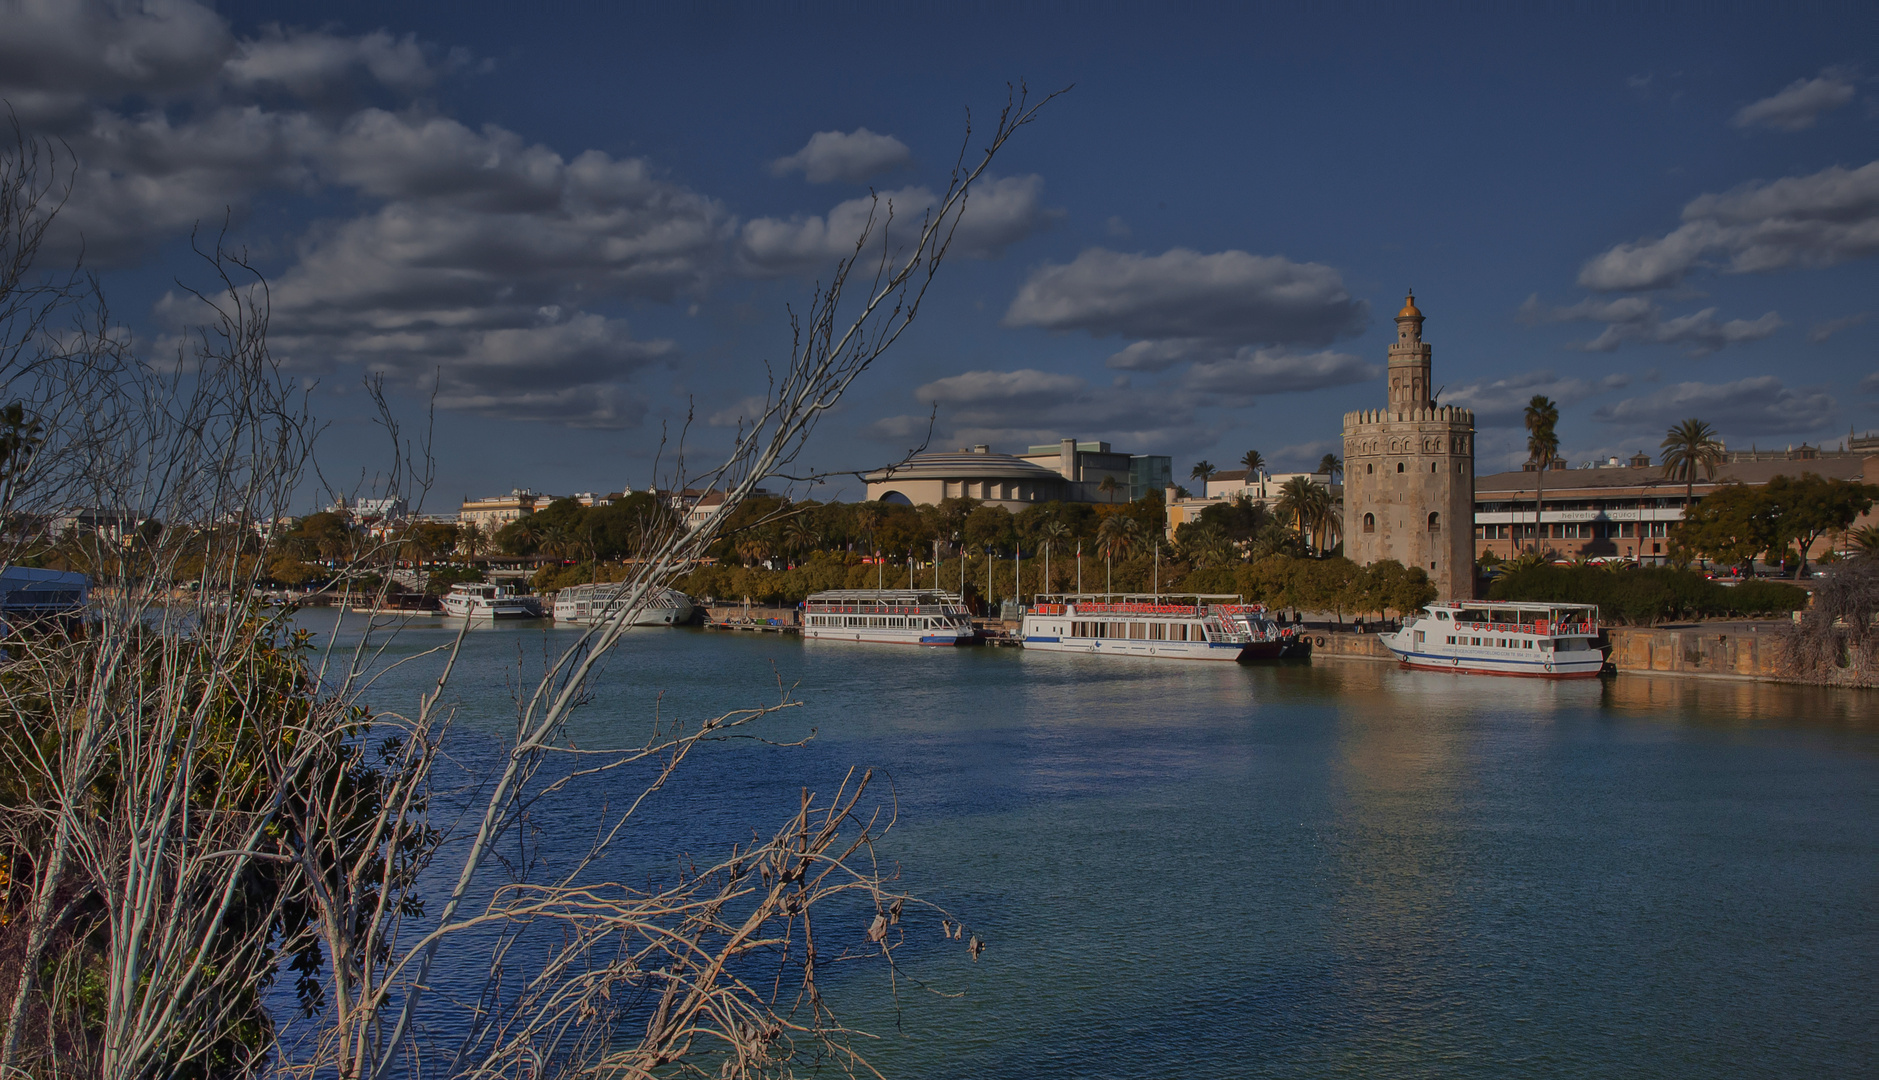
[(1537, 640), (1270, 640), (585, 605), (1141, 625), (888, 617), (478, 603)]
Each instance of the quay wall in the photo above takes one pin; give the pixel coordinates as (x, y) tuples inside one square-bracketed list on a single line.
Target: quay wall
[(1743, 650), (738, 612), (1734, 649), (1348, 646)]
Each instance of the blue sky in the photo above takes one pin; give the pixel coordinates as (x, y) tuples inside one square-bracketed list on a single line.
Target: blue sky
[(584, 221)]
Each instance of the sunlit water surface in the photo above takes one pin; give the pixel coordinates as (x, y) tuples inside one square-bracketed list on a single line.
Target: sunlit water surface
[(1331, 869)]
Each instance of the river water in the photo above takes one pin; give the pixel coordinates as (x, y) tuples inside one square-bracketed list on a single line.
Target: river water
[(1326, 869)]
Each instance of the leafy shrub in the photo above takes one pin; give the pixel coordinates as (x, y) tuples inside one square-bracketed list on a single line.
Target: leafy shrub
[(1641, 595)]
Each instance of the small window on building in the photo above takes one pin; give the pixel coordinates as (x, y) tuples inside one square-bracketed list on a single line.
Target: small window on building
[(1399, 466), (1370, 523), (1431, 466), (1368, 469), (1435, 523)]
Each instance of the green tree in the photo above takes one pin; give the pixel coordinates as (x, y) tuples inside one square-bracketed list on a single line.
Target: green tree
[(1732, 525), (1811, 507), (1109, 487), (1202, 471), (1542, 416), (1331, 465), (1688, 448), (1254, 463)]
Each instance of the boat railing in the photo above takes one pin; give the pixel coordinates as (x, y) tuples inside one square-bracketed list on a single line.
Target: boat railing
[(1138, 609), (1539, 626)]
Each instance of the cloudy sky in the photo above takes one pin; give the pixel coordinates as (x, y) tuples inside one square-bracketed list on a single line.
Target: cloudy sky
[(571, 228)]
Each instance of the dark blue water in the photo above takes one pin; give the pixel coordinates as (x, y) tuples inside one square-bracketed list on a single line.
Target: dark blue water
[(1331, 869)]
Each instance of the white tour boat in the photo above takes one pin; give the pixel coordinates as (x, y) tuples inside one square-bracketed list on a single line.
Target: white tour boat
[(889, 616), (585, 605), (1539, 640), (478, 603), (1131, 625)]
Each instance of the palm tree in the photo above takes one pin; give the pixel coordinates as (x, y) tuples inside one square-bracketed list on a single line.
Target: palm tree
[(1690, 446), (1054, 532), (1108, 487), (1866, 538), (1255, 463), (1117, 536), (1542, 448), (1331, 465), (1201, 471), (801, 536), (1298, 500)]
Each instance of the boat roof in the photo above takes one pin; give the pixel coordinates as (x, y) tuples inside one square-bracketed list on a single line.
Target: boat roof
[(882, 596), (1511, 605), (1133, 598)]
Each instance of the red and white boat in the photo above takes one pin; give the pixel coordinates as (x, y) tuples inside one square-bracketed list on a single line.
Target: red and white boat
[(1537, 640)]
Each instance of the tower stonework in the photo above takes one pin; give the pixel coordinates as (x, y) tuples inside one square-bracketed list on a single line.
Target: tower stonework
[(1409, 473)]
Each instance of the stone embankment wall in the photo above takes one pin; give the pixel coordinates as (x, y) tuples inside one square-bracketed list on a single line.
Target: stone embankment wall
[(1348, 646), (738, 612), (1748, 650), (1736, 649)]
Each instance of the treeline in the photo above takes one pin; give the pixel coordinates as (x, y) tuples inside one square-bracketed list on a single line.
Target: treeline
[(1336, 584), (1780, 520), (1642, 595)]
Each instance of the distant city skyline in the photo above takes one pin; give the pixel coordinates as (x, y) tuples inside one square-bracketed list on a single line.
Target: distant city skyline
[(579, 232)]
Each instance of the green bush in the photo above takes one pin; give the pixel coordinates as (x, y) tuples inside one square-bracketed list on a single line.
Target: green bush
[(1641, 595)]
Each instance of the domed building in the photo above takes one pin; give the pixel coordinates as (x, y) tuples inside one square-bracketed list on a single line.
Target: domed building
[(996, 479)]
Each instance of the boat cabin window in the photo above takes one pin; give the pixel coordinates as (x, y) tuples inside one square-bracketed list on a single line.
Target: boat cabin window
[(1442, 615), (1471, 616)]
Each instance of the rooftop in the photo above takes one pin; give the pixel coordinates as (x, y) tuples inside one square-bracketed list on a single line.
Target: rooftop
[(1652, 476)]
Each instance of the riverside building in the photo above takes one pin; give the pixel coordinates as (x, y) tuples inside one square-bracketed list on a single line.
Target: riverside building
[(1409, 484), (1627, 510), (1069, 471)]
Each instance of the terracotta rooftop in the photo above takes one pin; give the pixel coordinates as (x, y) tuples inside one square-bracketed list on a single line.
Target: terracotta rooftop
[(1747, 472)]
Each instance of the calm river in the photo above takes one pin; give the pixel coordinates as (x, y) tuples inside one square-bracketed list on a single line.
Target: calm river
[(1330, 869)]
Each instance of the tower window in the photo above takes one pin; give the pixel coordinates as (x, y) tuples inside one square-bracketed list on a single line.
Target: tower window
[(1370, 523), (1399, 466), (1369, 468), (1431, 466), (1435, 523)]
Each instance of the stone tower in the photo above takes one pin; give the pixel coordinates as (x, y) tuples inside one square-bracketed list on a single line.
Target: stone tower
[(1409, 473)]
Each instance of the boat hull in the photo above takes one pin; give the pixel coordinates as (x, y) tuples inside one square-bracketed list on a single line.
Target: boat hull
[(889, 636), (1583, 666), (1224, 651)]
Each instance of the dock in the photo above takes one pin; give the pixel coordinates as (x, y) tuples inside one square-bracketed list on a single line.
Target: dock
[(766, 626)]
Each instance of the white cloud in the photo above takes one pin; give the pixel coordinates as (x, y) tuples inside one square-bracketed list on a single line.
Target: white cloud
[(1251, 373), (854, 156), (311, 63), (1636, 319), (1762, 405), (742, 411), (1699, 332), (1230, 296), (58, 55), (1821, 331), (1828, 217), (1798, 105), (571, 369), (1502, 402), (998, 214)]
